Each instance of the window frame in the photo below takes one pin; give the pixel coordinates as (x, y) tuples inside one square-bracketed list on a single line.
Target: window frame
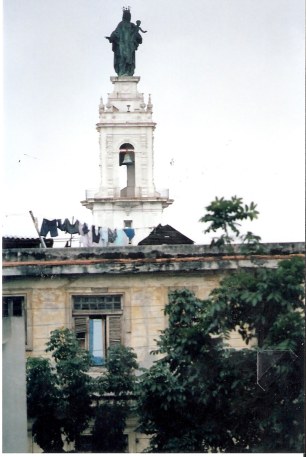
[(94, 314), (26, 314)]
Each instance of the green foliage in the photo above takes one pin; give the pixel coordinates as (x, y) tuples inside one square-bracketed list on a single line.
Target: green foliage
[(121, 365), (107, 433), (43, 398), (116, 389), (202, 396), (60, 398), (75, 384), (177, 397), (225, 215), (259, 302)]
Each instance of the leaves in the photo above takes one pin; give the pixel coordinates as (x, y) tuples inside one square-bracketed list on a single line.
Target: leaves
[(225, 216), (60, 397), (202, 396), (115, 387)]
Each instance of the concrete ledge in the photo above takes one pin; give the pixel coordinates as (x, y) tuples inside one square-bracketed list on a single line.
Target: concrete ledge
[(171, 259)]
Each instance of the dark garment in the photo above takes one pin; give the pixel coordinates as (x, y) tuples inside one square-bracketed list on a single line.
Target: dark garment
[(112, 235), (85, 229), (130, 233), (48, 226), (69, 228), (95, 238)]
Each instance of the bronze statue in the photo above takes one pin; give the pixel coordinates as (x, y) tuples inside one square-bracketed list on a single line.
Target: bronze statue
[(125, 40)]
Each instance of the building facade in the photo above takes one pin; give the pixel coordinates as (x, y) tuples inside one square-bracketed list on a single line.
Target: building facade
[(109, 295)]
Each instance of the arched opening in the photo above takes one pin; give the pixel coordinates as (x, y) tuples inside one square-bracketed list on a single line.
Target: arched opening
[(127, 170)]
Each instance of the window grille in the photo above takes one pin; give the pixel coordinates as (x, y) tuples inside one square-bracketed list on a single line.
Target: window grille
[(97, 302)]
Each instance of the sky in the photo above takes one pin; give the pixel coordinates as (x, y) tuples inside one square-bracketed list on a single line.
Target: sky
[(227, 84)]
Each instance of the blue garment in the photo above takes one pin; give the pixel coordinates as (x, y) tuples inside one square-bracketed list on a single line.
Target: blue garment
[(67, 227), (130, 233), (121, 239), (49, 226)]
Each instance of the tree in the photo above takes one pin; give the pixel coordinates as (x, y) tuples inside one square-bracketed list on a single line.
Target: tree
[(203, 396), (225, 216), (64, 400), (59, 396), (116, 392), (74, 383), (43, 398), (178, 397), (266, 307)]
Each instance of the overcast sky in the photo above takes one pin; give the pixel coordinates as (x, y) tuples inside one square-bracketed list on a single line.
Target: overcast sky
[(227, 85)]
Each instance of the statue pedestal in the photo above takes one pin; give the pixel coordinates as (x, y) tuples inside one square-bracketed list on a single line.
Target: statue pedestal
[(125, 87)]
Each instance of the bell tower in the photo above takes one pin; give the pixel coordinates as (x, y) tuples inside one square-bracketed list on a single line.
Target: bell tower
[(127, 196)]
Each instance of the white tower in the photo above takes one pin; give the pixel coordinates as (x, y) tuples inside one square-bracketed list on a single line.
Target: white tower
[(127, 196)]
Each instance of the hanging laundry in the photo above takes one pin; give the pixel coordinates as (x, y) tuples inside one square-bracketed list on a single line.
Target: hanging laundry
[(103, 236), (130, 233), (86, 240), (85, 235), (49, 226), (84, 229), (112, 235), (67, 227), (122, 239), (95, 236)]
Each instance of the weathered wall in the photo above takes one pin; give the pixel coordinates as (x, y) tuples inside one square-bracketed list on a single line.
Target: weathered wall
[(144, 275), (49, 303), (14, 415)]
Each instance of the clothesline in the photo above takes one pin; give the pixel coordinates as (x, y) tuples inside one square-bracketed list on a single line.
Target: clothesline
[(39, 216), (90, 236)]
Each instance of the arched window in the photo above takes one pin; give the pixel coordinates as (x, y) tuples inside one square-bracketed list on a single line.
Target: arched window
[(126, 154), (127, 175)]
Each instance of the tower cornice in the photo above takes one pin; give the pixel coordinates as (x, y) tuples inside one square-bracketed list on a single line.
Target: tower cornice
[(111, 123)]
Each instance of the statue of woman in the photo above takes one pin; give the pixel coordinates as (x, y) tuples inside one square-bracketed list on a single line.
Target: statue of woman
[(125, 40)]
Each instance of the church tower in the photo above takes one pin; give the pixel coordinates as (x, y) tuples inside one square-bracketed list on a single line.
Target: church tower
[(127, 197)]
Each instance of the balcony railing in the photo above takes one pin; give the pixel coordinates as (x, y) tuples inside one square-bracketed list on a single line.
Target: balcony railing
[(138, 193)]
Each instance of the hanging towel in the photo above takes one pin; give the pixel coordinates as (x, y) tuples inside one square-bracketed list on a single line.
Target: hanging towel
[(122, 239)]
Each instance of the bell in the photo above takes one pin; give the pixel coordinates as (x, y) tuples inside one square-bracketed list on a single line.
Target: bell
[(127, 160)]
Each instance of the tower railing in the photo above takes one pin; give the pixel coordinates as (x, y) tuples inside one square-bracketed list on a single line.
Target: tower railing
[(116, 193)]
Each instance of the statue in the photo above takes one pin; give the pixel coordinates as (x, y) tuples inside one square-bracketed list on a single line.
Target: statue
[(125, 40)]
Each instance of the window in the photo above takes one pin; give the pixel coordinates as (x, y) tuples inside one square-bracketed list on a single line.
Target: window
[(15, 306), (12, 306), (97, 323)]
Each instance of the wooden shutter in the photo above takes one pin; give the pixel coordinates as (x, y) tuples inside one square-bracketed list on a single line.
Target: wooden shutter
[(114, 330), (80, 326)]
